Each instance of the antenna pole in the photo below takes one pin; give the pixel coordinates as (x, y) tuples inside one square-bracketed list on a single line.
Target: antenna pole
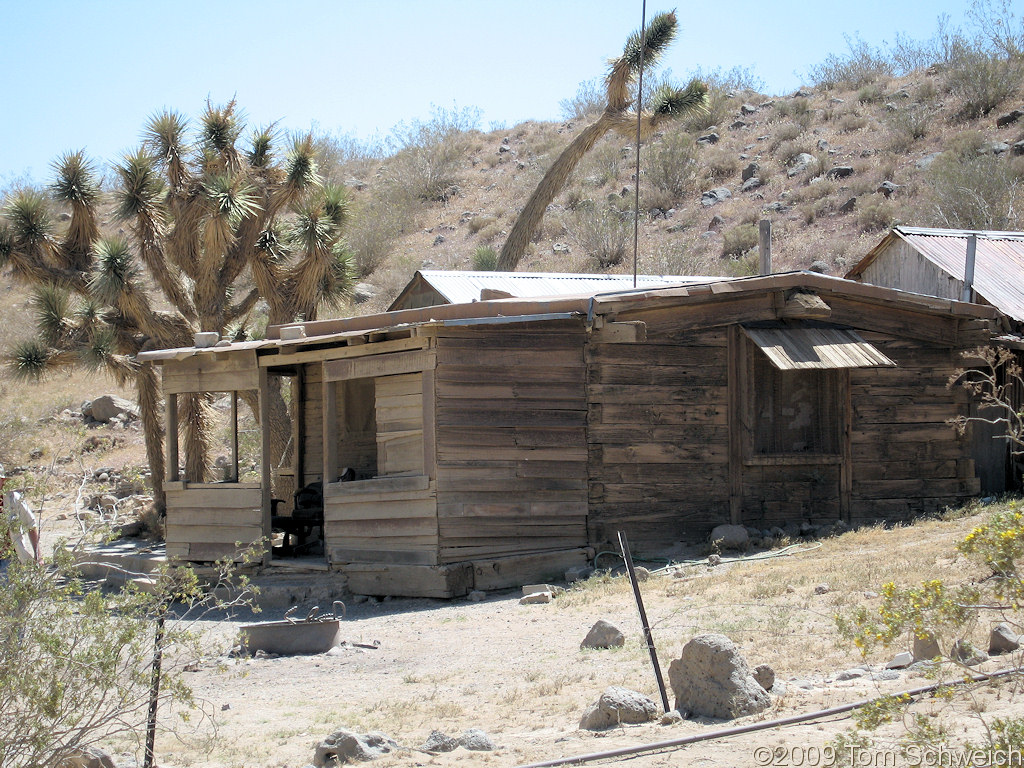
[(639, 117)]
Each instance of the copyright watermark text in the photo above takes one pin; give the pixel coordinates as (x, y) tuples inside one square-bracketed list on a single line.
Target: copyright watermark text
[(866, 757)]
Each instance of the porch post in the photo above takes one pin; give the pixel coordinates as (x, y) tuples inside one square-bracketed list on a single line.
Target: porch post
[(266, 479), (171, 435)]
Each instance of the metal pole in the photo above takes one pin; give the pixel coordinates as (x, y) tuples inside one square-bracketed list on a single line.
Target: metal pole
[(639, 117), (648, 638)]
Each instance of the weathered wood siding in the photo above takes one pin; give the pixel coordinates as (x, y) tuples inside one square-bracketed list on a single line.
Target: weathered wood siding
[(206, 521), (901, 266), (355, 420), (399, 413), (387, 520), (658, 435), (906, 459), (511, 449)]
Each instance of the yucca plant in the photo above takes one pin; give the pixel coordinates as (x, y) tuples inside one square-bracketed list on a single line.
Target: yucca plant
[(641, 52), (210, 229)]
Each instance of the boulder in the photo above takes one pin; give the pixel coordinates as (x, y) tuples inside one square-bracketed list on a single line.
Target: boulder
[(714, 196), (730, 537), (800, 163), (603, 635), (1009, 118), (618, 706), (840, 172), (476, 740), (708, 138), (87, 757), (1002, 639), (925, 648), (344, 745), (965, 652), (711, 678), (901, 660), (765, 676), (440, 742), (750, 171), (751, 184), (107, 407)]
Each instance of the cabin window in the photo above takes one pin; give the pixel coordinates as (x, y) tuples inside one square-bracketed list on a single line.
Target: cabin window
[(794, 411), (380, 427), (234, 439)]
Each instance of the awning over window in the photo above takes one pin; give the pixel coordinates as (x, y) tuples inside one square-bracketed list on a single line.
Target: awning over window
[(795, 348)]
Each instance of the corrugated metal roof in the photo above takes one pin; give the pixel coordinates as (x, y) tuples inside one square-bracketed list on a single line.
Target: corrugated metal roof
[(998, 267), (791, 349), (465, 287)]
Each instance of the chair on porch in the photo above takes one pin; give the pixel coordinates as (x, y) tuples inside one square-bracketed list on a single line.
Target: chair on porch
[(307, 514)]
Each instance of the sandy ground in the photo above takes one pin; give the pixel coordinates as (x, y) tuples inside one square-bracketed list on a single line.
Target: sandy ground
[(517, 671)]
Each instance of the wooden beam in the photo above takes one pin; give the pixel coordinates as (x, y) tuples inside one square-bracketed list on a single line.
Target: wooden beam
[(171, 436), (353, 346), (846, 447), (330, 431), (299, 426), (234, 438), (737, 404), (379, 365), (266, 478)]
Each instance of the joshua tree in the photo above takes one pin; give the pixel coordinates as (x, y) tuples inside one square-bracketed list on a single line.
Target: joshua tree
[(666, 103), (211, 230)]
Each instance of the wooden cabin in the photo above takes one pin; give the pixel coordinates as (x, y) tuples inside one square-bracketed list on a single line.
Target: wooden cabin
[(495, 443), (934, 262)]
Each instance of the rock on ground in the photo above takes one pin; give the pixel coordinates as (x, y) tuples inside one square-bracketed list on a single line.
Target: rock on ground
[(1002, 639), (711, 678), (730, 536), (765, 676), (87, 757), (618, 706), (438, 741), (476, 740), (603, 635), (344, 746), (107, 407), (926, 648)]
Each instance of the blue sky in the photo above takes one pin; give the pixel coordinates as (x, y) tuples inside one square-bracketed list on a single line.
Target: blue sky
[(86, 75)]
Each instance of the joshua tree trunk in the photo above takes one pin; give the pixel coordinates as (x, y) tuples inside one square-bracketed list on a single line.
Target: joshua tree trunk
[(147, 384), (533, 212)]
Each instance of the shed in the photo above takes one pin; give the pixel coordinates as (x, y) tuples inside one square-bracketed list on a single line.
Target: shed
[(933, 262), (490, 444)]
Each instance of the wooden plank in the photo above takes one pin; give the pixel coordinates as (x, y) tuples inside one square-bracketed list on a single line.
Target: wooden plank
[(494, 416), (205, 552), (379, 365), (512, 571), (412, 508), (224, 381), (228, 497), (447, 453), (213, 534), (380, 488), (556, 373), (343, 554), (357, 348), (212, 362), (429, 407), (391, 528), (186, 516), (410, 580), (329, 408)]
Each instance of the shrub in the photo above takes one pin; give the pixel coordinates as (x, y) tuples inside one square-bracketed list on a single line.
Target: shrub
[(77, 663), (909, 125), (721, 164), (589, 101), (377, 222), (851, 122), (602, 164), (672, 164), (860, 66), (485, 259), (980, 81), (740, 239), (875, 216), (871, 94), (601, 231), (479, 222), (785, 132), (971, 191), (429, 155)]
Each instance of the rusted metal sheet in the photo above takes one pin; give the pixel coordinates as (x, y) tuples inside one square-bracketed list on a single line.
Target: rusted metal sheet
[(792, 349)]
